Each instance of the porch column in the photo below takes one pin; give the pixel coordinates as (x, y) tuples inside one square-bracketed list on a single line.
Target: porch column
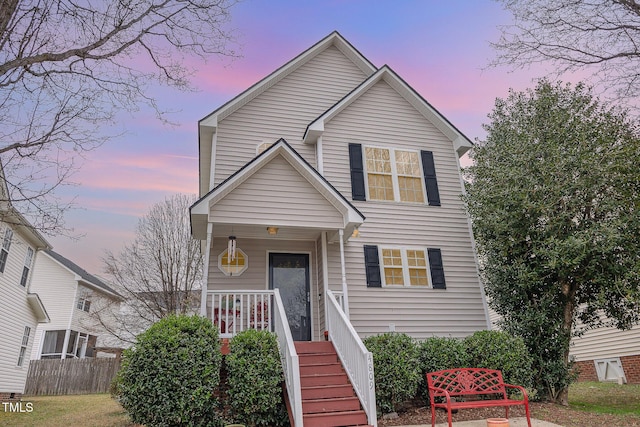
[(345, 295), (205, 272)]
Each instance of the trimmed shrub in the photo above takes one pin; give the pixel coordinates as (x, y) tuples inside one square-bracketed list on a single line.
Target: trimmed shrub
[(500, 350), (437, 353), (395, 364), (168, 378), (255, 379)]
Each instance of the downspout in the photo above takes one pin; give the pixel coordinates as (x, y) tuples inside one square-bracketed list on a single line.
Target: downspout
[(345, 295), (205, 272)]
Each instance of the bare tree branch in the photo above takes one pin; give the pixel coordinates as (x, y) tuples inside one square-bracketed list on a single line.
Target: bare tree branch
[(599, 36), (68, 66), (159, 273)]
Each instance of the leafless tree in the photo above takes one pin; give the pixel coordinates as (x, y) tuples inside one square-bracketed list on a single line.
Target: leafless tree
[(158, 274), (69, 66), (601, 37)]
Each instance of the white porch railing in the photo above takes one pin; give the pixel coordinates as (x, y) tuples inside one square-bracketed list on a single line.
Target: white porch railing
[(356, 359), (236, 311), (289, 357)]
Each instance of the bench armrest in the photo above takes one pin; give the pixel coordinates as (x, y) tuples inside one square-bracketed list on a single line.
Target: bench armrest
[(446, 395)]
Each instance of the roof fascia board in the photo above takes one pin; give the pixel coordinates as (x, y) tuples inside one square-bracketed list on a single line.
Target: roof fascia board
[(461, 143)]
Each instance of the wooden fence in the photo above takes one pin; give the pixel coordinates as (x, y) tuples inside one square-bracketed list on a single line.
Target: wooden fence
[(70, 376)]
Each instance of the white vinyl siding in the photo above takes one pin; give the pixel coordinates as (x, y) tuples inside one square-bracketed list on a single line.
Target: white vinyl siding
[(606, 342), (15, 314), (284, 111), (284, 198), (381, 117)]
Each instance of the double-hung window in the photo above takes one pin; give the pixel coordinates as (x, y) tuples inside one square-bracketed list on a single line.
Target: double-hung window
[(27, 267), (23, 346), (405, 267), (415, 267), (84, 304), (6, 245), (394, 175)]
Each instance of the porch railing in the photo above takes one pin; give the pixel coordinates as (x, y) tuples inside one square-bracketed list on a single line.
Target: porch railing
[(356, 359), (235, 311)]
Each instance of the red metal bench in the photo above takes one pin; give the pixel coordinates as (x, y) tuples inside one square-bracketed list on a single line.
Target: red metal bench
[(460, 382)]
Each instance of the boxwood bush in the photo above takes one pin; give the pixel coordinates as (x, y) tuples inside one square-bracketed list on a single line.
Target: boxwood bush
[(170, 375), (500, 350), (255, 379), (437, 353), (395, 365)]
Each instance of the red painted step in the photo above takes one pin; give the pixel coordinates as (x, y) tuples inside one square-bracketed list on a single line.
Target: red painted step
[(324, 379), (332, 419), (328, 398), (336, 404)]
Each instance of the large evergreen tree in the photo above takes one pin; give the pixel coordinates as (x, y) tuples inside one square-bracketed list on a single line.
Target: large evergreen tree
[(554, 196)]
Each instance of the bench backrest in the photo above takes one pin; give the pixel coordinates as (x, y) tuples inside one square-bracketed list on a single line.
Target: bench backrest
[(465, 381)]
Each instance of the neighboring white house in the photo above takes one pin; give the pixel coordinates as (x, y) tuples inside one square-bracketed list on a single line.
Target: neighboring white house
[(21, 309), (328, 178), (71, 295)]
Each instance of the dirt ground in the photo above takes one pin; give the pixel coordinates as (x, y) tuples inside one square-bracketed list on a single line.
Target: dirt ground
[(414, 414)]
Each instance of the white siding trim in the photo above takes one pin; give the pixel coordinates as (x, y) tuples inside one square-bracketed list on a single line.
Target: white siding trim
[(212, 171), (205, 272)]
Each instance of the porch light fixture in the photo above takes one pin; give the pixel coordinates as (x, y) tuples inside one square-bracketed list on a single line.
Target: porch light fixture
[(231, 249), (356, 233), (272, 230)]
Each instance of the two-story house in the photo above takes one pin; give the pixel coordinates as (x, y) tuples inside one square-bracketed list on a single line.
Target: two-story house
[(335, 183), (71, 296), (21, 309)]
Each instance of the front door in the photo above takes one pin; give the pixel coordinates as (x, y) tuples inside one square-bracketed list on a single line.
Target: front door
[(290, 274)]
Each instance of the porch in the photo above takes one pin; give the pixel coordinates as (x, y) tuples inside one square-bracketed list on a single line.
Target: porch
[(315, 393)]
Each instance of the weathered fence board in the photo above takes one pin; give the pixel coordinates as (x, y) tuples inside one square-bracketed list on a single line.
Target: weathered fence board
[(70, 376)]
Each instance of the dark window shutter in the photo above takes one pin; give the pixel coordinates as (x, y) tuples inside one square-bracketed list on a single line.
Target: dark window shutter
[(430, 180), (372, 266), (357, 172), (437, 268)]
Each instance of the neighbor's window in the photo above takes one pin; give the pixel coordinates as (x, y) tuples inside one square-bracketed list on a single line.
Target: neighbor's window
[(23, 346), (394, 175), (83, 304), (6, 245), (27, 267), (233, 267), (405, 267)]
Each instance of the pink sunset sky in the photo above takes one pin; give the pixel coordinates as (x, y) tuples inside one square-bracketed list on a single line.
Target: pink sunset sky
[(440, 48)]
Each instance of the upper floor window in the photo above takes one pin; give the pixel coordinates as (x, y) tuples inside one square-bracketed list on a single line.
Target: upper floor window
[(6, 245), (27, 267), (392, 174), (83, 304), (23, 345)]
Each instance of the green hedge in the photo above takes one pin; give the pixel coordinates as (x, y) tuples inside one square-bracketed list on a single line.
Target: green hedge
[(437, 353), (500, 350), (395, 364), (169, 377), (255, 379)]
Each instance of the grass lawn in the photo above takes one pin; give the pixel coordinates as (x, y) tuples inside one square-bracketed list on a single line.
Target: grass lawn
[(590, 403), (98, 410), (605, 398)]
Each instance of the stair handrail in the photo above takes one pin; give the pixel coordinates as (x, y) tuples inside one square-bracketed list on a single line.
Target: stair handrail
[(356, 359), (289, 358)]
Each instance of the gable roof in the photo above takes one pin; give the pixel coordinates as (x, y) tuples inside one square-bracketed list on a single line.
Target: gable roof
[(207, 125), (199, 211), (460, 142), (86, 277)]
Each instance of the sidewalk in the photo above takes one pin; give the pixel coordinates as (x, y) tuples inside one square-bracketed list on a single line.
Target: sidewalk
[(513, 422)]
